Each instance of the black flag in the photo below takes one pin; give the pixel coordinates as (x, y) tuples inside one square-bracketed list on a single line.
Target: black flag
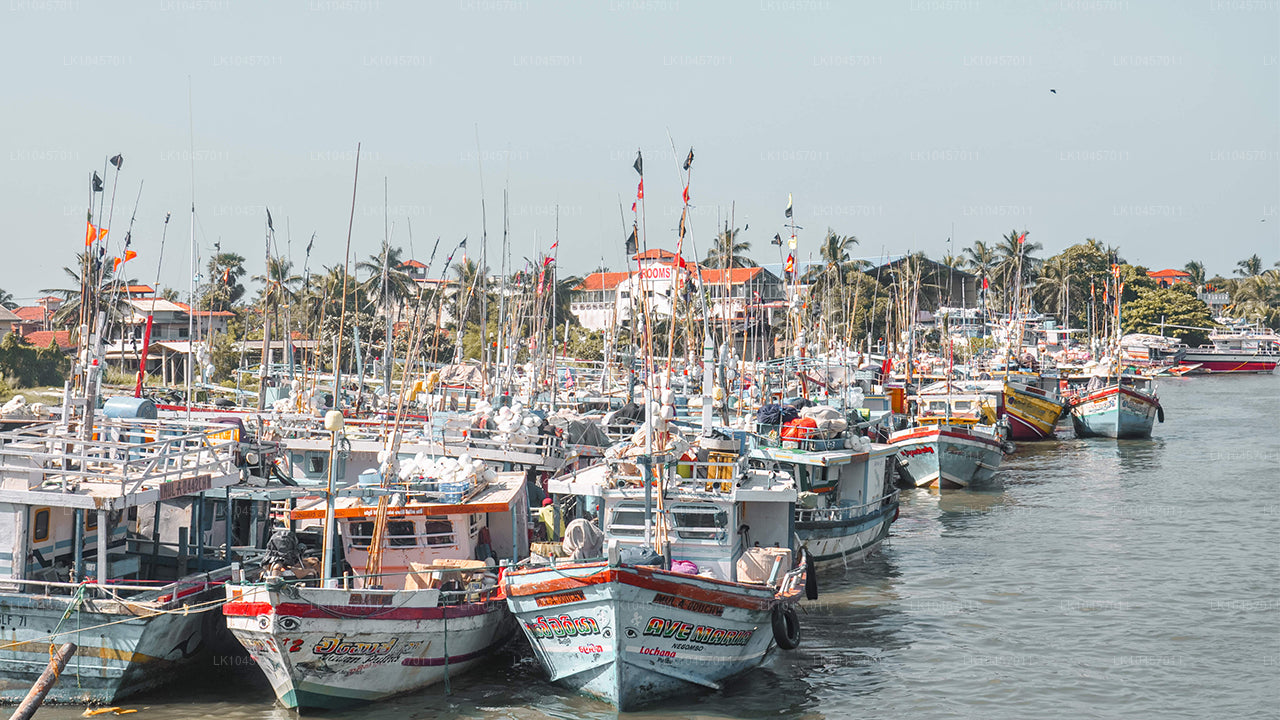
[(777, 240), (269, 225), (788, 204), (312, 241), (689, 160), (97, 182), (682, 214), (633, 246), (118, 161), (639, 166), (128, 238)]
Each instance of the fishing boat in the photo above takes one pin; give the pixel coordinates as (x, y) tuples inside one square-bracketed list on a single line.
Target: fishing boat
[(950, 446), (621, 622), (1031, 411), (427, 608), (78, 569), (1117, 406), (847, 499)]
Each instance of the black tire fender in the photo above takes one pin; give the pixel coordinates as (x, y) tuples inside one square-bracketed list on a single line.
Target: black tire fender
[(786, 627)]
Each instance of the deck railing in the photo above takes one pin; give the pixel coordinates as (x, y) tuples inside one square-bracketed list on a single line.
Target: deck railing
[(130, 455)]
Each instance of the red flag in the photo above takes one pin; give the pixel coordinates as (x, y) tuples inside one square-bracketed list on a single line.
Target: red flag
[(115, 265), (640, 190), (686, 194), (985, 284), (1022, 238), (226, 276), (129, 255), (554, 245), (791, 263), (547, 260), (633, 207)]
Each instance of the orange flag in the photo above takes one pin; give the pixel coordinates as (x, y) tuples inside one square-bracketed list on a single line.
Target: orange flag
[(128, 255), (92, 233)]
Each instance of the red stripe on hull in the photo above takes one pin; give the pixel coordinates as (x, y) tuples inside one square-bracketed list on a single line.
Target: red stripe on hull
[(357, 612), (643, 578), (929, 433)]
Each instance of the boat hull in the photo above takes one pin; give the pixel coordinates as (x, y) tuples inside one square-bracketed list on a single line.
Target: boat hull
[(1030, 416), (946, 458), (833, 539), (632, 635), (130, 652), (327, 648), (1114, 412), (1217, 363)]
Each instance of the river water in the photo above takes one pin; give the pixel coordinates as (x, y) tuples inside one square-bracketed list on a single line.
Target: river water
[(1101, 579)]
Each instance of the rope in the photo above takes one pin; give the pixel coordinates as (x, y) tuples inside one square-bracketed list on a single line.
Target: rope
[(186, 609)]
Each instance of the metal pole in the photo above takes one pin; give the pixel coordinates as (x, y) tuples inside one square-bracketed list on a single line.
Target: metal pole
[(104, 572), (78, 571)]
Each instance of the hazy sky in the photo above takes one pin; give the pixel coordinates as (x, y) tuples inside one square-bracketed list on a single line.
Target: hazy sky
[(893, 122)]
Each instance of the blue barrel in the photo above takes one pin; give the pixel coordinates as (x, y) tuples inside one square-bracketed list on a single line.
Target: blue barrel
[(129, 407)]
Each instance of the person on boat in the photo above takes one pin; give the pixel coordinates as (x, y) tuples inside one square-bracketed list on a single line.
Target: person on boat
[(548, 517)]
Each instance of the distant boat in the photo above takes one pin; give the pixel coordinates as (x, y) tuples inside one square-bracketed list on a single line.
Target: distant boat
[(1247, 350), (1118, 407), (948, 456)]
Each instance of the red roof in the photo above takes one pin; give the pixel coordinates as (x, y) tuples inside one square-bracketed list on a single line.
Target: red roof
[(737, 276), (654, 254), (1168, 273), (601, 281), (412, 264), (204, 313), (41, 338), (30, 313), (138, 289)]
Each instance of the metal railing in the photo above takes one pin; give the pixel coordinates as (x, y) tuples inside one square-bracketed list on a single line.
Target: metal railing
[(837, 514), (129, 454)]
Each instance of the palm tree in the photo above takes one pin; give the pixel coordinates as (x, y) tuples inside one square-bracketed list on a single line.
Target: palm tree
[(1053, 285), (1250, 266), (393, 290), (727, 252), (1011, 252), (115, 303), (224, 289), (1196, 269), (6, 299), (471, 280), (980, 259), (279, 287)]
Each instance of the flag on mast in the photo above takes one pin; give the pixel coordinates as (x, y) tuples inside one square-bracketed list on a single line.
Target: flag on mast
[(640, 190), (639, 164), (93, 233), (97, 182), (688, 162), (686, 194), (777, 240), (788, 204), (633, 245), (117, 161)]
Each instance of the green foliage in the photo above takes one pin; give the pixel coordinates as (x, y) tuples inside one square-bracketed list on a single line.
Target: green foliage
[(1176, 305), (22, 365), (223, 289), (586, 344)]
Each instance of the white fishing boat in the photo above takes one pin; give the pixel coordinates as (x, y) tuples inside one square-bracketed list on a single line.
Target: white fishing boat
[(621, 622), (427, 607)]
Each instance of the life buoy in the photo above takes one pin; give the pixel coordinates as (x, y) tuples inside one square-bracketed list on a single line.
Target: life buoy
[(786, 627)]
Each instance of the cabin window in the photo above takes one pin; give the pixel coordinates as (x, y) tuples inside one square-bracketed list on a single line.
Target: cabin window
[(361, 534), (627, 522), (90, 520), (700, 523), (938, 406), (401, 533), (315, 465), (963, 404), (40, 525), (437, 531)]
